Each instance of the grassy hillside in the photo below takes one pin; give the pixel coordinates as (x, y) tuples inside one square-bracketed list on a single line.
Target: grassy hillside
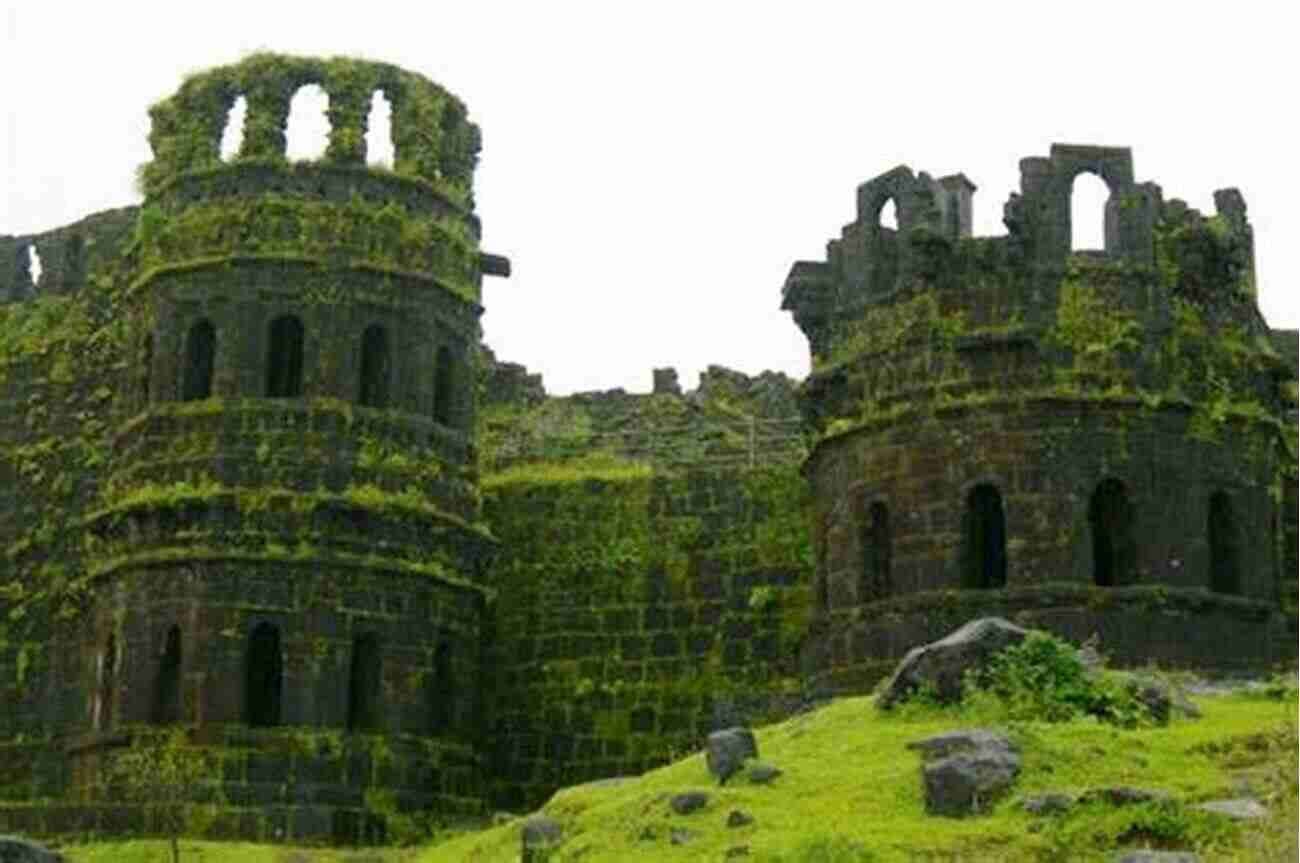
[(851, 791), (849, 781)]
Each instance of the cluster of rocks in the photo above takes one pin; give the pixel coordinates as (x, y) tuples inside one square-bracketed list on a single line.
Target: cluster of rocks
[(727, 753), (964, 772)]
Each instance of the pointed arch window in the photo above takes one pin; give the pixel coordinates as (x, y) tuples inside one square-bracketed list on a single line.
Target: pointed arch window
[(984, 530), (443, 690), (444, 382), (379, 131), (232, 136), (107, 682), (877, 546), (167, 690), (365, 684), (284, 358), (146, 368), (200, 356), (375, 367), (263, 676), (1222, 533), (1114, 551)]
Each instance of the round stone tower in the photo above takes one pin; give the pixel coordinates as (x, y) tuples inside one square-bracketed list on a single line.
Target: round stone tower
[(290, 560), (1094, 442)]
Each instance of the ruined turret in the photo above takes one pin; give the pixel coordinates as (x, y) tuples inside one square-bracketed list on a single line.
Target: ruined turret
[(1033, 426)]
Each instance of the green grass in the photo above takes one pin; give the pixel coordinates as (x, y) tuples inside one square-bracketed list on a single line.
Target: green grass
[(157, 851), (851, 791)]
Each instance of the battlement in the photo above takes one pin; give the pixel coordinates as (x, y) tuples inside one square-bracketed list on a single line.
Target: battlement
[(1162, 251), (432, 138)]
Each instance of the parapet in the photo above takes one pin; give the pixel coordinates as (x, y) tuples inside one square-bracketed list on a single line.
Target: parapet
[(1013, 277), (432, 138)]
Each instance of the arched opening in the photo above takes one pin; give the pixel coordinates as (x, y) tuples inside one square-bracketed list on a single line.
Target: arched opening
[(34, 266), (146, 368), (985, 534), (307, 132), (200, 354), (364, 684), (1113, 550), (443, 690), (877, 546), (107, 681), (74, 261), (888, 216), (379, 131), (232, 137), (1222, 530), (284, 358), (1088, 197), (374, 367), (444, 379), (263, 677), (167, 690)]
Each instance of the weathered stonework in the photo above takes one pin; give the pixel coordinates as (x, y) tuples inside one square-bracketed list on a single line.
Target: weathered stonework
[(259, 478), (1098, 441)]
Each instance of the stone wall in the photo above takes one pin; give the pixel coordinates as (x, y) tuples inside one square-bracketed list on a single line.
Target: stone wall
[(636, 611)]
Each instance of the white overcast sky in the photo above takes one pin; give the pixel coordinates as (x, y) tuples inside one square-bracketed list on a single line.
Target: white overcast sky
[(653, 169)]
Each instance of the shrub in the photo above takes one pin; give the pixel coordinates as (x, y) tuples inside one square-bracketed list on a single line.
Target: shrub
[(1043, 678)]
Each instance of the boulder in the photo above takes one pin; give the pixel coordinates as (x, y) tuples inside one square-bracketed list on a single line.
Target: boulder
[(14, 849), (678, 836), (940, 665), (739, 818), (541, 833), (1123, 795), (1161, 698), (688, 802), (762, 774), (727, 750), (1145, 856), (1047, 803), (964, 772)]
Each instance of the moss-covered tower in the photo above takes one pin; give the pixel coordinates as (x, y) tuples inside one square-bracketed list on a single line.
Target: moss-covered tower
[(284, 550), (1098, 441)]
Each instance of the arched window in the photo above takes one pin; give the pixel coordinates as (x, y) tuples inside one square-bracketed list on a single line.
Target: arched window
[(379, 131), (146, 368), (200, 354), (307, 131), (284, 358), (34, 265), (877, 546), (444, 381), (374, 367), (232, 137), (443, 691), (1114, 552), (167, 691), (263, 678), (365, 682), (888, 215), (107, 681), (1088, 197), (1222, 532), (984, 529)]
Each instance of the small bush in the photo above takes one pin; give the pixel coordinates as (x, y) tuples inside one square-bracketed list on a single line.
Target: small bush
[(1044, 679)]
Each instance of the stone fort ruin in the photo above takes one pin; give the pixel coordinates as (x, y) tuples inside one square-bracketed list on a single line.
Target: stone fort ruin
[(259, 479)]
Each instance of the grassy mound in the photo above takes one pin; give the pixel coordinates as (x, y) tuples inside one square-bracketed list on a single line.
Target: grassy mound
[(851, 791)]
